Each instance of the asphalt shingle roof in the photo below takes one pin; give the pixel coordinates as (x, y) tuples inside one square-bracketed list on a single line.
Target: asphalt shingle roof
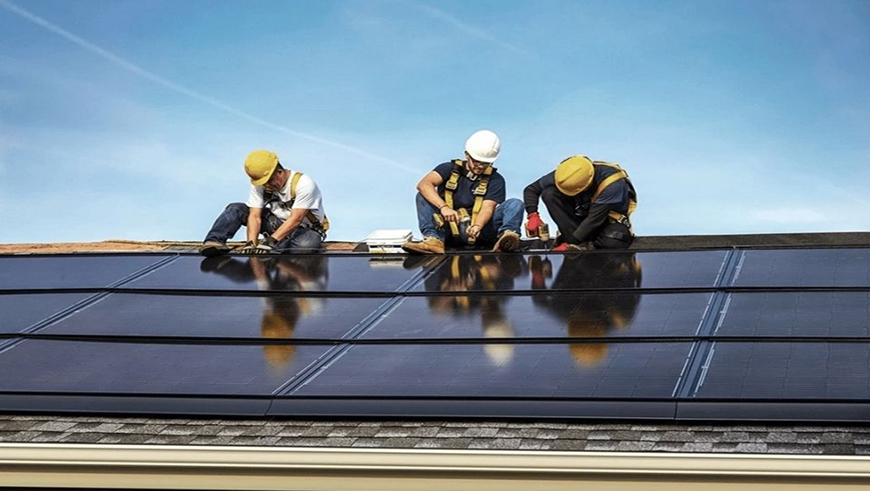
[(717, 438)]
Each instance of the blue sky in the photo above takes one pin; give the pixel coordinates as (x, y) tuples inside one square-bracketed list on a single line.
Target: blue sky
[(131, 119)]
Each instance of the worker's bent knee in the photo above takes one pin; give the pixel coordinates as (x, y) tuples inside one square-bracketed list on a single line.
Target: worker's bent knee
[(512, 205), (237, 208), (614, 236)]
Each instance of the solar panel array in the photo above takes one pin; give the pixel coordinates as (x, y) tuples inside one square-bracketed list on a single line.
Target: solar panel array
[(734, 334)]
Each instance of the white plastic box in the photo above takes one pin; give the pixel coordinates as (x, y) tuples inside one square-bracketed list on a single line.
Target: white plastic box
[(387, 241)]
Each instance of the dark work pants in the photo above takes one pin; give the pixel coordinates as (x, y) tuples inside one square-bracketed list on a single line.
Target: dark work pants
[(563, 211), (235, 215)]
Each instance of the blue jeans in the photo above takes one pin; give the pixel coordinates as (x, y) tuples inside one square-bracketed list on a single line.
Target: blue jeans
[(236, 214), (507, 216)]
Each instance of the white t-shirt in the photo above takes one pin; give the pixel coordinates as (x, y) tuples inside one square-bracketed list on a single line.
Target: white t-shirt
[(307, 198)]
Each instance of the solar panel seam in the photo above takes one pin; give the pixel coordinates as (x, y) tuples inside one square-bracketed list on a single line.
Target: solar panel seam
[(699, 348), (338, 351)]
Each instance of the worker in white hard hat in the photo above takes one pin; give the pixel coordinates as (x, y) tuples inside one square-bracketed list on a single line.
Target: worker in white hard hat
[(590, 202), (284, 205), (462, 203)]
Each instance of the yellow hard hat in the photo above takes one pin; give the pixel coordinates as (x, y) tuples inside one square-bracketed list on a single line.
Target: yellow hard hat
[(574, 175), (260, 165)]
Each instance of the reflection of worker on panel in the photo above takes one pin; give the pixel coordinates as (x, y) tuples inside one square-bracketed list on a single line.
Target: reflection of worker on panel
[(594, 314), (281, 313), (462, 274)]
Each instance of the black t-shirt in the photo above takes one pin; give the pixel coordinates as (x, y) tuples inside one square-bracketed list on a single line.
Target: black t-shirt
[(463, 196)]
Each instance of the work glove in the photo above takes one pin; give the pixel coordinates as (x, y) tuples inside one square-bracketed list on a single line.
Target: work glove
[(566, 247), (266, 246), (533, 224), (248, 248)]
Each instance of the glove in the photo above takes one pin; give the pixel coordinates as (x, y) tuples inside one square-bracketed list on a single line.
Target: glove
[(267, 246), (248, 248), (533, 224)]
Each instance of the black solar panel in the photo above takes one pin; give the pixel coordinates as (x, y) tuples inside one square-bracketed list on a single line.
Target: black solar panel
[(18, 312), (612, 270), (796, 314), (267, 317), (804, 268), (555, 315), (587, 370), (285, 273), (53, 272), (134, 368), (813, 371), (716, 334)]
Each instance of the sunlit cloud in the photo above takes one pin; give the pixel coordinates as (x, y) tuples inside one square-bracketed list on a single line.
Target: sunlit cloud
[(181, 89)]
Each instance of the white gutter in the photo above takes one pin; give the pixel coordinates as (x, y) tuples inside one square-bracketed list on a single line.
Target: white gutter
[(211, 467)]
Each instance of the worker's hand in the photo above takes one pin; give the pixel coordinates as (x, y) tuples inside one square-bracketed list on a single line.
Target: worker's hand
[(248, 248), (449, 214), (473, 231), (267, 246), (534, 224)]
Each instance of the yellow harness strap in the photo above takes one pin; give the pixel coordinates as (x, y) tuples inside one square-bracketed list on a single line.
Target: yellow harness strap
[(321, 227), (449, 188), (479, 192), (619, 175)]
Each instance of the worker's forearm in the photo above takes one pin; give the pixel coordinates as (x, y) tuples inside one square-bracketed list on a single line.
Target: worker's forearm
[(594, 220), (253, 229), (286, 228), (430, 194), (483, 217), (531, 195)]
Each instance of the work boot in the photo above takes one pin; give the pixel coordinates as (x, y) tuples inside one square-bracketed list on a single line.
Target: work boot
[(429, 245), (508, 241), (212, 248)]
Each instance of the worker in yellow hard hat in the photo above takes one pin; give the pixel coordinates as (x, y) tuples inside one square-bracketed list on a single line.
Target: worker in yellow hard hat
[(284, 205), (590, 202)]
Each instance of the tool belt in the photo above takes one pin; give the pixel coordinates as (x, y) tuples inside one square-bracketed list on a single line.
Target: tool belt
[(479, 192)]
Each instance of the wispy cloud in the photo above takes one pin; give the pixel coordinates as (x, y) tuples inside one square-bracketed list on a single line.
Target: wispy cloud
[(181, 89), (469, 29)]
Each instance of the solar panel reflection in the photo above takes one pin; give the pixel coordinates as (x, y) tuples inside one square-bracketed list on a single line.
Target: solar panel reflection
[(556, 315), (267, 317), (610, 270)]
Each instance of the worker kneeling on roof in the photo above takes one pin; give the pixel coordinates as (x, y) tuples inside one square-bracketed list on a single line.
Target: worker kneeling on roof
[(284, 205), (589, 201), (462, 202)]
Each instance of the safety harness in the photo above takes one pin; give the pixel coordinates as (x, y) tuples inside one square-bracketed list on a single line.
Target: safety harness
[(479, 192), (619, 175), (316, 225)]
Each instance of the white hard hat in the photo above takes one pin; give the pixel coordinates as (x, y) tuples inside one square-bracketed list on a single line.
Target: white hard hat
[(483, 146)]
